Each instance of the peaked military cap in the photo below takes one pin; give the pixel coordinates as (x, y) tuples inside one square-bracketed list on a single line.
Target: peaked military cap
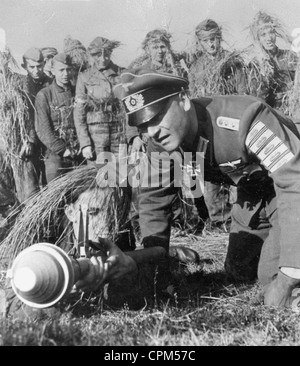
[(63, 58), (144, 93), (49, 51), (100, 42), (34, 54)]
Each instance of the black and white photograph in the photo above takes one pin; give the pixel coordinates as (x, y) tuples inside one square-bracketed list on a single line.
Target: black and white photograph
[(149, 175)]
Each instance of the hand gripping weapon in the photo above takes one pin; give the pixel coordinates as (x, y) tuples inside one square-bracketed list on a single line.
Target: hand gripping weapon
[(43, 274)]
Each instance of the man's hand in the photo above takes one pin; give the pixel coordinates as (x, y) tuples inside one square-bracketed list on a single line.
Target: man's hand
[(117, 264), (101, 271), (95, 275), (87, 152), (279, 291)]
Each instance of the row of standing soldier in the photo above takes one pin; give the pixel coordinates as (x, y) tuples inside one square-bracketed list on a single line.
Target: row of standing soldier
[(73, 114)]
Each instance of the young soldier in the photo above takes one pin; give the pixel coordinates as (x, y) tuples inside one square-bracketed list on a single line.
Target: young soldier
[(98, 115), (31, 174), (54, 121), (82, 205), (277, 66)]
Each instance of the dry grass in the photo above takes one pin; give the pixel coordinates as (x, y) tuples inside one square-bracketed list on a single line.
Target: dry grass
[(13, 110), (205, 310), (42, 218)]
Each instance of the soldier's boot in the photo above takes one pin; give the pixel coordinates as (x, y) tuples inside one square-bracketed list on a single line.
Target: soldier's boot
[(280, 292)]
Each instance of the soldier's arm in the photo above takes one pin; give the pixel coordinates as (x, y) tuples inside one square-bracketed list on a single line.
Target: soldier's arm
[(80, 113), (44, 127), (277, 147)]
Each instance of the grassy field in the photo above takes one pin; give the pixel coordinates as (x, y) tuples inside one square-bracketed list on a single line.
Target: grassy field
[(204, 310)]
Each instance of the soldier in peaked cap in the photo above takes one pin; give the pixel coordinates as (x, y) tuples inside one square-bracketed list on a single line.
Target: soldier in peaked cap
[(54, 121), (247, 144), (99, 116)]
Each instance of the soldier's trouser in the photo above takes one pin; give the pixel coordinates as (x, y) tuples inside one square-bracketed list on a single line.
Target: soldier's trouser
[(106, 136), (254, 226), (7, 188), (56, 165), (26, 176)]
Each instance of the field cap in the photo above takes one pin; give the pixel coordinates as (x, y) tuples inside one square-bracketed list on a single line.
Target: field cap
[(63, 58), (34, 54), (208, 28), (49, 52), (71, 44), (144, 93), (100, 42)]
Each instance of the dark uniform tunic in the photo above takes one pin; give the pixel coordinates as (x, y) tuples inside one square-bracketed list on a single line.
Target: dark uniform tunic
[(55, 128), (99, 116), (258, 150)]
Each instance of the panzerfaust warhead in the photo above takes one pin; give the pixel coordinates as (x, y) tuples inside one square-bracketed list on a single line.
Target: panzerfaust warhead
[(43, 274)]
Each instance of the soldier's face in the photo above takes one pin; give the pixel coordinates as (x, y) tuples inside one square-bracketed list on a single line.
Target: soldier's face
[(157, 51), (101, 59), (90, 203), (267, 38), (170, 127), (211, 45), (62, 73), (34, 69)]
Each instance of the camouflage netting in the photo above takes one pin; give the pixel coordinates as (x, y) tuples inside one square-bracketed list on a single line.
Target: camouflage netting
[(42, 218)]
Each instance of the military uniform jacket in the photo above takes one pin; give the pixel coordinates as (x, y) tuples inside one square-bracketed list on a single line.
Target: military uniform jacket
[(30, 88), (244, 136), (95, 101), (54, 121)]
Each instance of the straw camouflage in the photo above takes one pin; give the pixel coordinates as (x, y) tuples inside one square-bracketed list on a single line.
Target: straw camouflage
[(100, 42)]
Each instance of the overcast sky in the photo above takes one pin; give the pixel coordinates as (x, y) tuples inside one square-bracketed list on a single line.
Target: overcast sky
[(43, 23)]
